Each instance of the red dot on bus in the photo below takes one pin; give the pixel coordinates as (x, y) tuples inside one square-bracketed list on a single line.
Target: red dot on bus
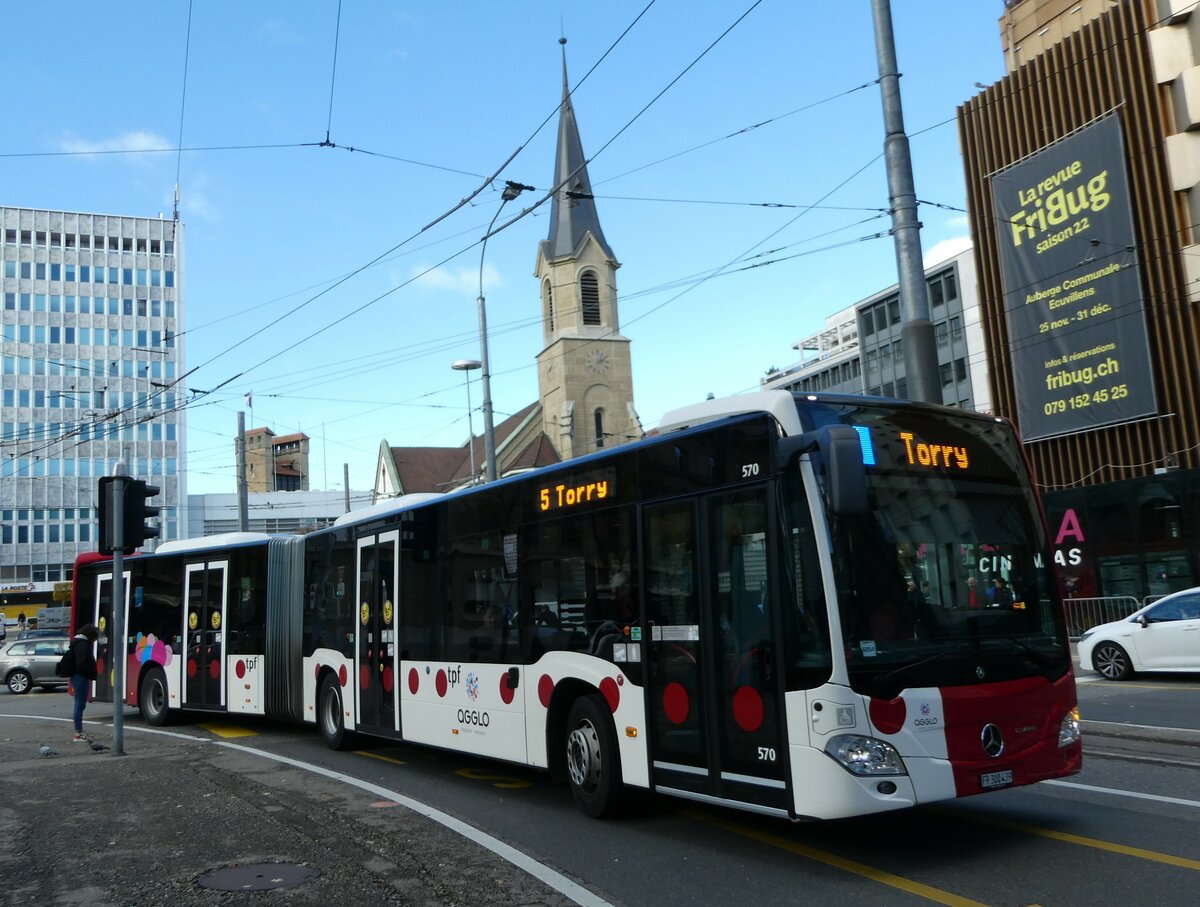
[(611, 692), (100, 666), (342, 675), (414, 681), (317, 671), (545, 690), (440, 682), (214, 669), (364, 676), (888, 715), (675, 703), (748, 709), (240, 669), (387, 679), (192, 667), (506, 692)]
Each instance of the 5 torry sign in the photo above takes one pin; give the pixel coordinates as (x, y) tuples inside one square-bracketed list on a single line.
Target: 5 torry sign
[(1076, 323)]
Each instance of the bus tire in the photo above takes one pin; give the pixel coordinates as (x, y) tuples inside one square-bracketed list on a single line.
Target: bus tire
[(593, 761), (152, 698), (331, 717)]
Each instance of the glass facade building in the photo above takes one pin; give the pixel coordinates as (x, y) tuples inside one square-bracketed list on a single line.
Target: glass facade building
[(91, 374)]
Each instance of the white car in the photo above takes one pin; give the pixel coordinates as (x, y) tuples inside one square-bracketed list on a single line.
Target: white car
[(1164, 636)]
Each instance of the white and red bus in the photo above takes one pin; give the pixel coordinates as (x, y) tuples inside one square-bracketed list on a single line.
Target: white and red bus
[(777, 603)]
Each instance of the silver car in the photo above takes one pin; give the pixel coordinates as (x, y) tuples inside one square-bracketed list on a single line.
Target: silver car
[(27, 663)]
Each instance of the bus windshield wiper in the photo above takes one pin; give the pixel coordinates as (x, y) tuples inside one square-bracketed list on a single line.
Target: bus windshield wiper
[(936, 656), (1041, 659)]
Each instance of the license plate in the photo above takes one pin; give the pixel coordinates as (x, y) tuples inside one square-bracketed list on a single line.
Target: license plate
[(989, 780)]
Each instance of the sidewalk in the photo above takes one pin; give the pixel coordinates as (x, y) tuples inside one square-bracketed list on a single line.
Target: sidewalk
[(85, 828)]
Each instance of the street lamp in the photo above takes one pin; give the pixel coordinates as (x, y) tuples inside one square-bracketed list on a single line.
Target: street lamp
[(466, 366), (511, 191)]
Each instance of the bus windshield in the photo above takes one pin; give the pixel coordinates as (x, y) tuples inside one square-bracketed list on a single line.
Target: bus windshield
[(945, 581)]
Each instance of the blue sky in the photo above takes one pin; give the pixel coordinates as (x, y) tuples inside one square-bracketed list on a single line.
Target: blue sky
[(434, 97)]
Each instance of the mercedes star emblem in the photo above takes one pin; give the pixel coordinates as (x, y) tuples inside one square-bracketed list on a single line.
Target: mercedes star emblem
[(992, 740)]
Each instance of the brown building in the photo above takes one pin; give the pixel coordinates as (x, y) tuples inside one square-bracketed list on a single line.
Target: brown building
[(1083, 181), (276, 462)]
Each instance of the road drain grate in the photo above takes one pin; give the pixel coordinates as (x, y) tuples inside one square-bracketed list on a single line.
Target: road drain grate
[(258, 877)]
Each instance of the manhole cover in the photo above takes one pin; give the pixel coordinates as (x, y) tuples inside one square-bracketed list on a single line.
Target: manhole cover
[(258, 877)]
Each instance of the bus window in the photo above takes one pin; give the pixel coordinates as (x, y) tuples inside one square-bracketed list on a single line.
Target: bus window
[(578, 584), (807, 654), (479, 619)]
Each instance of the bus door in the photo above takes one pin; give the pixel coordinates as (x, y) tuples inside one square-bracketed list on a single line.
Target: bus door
[(204, 590), (715, 694), (102, 617), (375, 646)]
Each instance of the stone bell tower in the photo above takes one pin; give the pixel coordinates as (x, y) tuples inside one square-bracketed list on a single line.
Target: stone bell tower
[(585, 377)]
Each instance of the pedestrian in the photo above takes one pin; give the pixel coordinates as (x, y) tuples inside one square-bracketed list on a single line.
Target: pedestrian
[(974, 596), (21, 621), (1002, 596), (83, 672)]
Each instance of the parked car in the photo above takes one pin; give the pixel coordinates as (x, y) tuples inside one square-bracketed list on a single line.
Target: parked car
[(27, 663), (42, 632), (1164, 636)]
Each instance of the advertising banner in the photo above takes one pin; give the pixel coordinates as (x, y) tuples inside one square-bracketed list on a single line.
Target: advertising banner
[(1072, 293)]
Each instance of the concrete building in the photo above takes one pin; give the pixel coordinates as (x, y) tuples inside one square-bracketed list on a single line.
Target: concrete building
[(276, 462), (585, 374), (273, 512), (92, 375), (859, 350), (1083, 182)]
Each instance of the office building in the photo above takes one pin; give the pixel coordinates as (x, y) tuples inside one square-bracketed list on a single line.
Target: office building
[(859, 351), (92, 375)]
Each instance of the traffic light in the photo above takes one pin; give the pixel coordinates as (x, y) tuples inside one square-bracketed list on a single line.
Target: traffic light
[(137, 511), (134, 513)]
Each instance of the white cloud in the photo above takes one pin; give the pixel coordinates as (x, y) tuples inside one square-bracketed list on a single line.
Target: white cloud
[(947, 248), (139, 140), (458, 280)]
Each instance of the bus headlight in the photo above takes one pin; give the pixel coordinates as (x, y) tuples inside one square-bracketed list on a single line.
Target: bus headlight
[(1068, 731), (865, 755)]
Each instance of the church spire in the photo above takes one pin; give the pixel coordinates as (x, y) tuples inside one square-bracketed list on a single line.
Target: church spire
[(573, 215)]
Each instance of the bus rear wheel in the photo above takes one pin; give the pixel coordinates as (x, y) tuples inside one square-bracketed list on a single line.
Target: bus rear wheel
[(152, 698), (593, 763), (331, 717)]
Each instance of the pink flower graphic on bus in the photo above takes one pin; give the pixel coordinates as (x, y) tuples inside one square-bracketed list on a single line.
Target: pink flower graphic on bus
[(472, 686), (150, 648)]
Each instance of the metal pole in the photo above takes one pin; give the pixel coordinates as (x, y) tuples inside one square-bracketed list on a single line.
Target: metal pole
[(346, 484), (470, 427), (920, 349), (242, 490), (116, 636)]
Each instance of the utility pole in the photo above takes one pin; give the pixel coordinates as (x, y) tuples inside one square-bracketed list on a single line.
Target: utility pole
[(920, 349), (346, 484), (242, 491)]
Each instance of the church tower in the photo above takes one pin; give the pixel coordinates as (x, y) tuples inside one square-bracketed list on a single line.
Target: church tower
[(584, 372)]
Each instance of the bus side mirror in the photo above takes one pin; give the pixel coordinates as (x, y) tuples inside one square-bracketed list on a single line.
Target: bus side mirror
[(842, 451), (847, 475)]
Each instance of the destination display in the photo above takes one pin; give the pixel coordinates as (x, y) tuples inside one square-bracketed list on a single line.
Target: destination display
[(1076, 319)]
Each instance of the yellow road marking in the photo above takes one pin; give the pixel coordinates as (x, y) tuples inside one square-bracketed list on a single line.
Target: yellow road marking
[(228, 731), (1069, 838), (380, 757), (507, 782), (868, 872), (1125, 685)]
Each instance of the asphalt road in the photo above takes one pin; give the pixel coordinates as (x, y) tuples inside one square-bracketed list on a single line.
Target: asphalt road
[(1125, 831)]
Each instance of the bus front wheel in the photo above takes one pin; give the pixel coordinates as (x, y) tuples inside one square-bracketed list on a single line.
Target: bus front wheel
[(330, 716), (152, 698), (593, 763)]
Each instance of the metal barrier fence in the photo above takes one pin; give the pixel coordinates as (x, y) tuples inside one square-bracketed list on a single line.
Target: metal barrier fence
[(1085, 613)]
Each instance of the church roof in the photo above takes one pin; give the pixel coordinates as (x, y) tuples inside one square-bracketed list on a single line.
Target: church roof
[(572, 216), (438, 469)]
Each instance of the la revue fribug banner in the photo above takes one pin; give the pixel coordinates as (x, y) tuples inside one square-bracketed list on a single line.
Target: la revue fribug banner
[(1076, 322)]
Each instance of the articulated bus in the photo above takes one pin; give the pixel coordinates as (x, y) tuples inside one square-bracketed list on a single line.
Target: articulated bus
[(776, 604)]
